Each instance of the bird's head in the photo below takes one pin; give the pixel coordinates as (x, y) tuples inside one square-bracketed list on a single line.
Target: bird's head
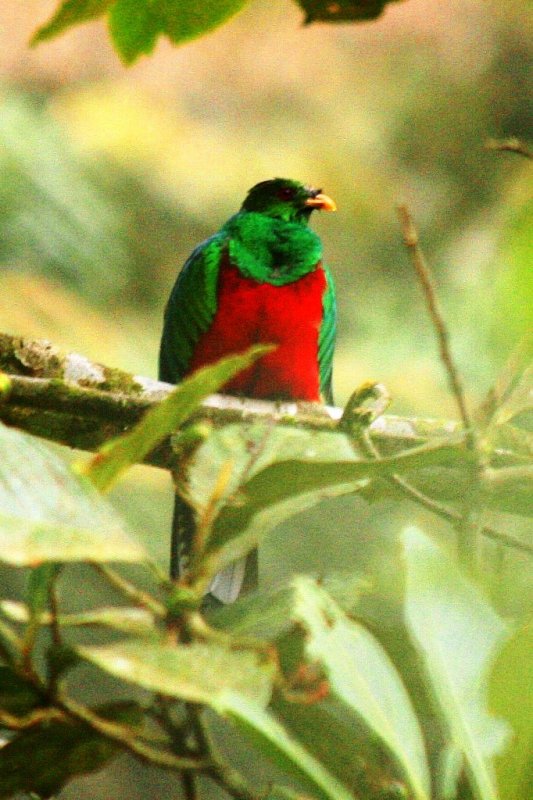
[(287, 200)]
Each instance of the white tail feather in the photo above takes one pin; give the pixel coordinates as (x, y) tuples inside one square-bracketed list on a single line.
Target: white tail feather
[(227, 584)]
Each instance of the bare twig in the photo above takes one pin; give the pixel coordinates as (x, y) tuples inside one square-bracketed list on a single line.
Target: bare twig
[(469, 525), (37, 717), (137, 596), (410, 237), (124, 736), (511, 145), (439, 509)]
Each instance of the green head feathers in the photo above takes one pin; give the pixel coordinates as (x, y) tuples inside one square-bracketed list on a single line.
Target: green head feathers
[(287, 200), (269, 239)]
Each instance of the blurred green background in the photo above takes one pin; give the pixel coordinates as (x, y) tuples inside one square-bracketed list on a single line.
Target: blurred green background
[(109, 177)]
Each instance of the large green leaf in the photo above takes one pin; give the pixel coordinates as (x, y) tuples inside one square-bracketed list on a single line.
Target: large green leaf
[(49, 514), (276, 486), (136, 24), (267, 616), (458, 635), (273, 740), (229, 460), (362, 679), (116, 456), (511, 697), (366, 702), (198, 673), (71, 12)]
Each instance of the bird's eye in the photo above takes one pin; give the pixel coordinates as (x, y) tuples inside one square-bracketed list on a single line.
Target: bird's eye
[(286, 193)]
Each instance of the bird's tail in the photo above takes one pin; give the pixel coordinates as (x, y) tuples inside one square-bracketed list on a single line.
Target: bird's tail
[(241, 576)]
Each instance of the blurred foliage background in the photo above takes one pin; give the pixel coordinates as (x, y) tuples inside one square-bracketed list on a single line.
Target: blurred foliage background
[(109, 177)]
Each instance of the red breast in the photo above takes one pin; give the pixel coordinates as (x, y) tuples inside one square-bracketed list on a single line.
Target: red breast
[(251, 313)]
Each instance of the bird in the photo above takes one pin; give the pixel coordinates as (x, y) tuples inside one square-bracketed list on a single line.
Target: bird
[(259, 279)]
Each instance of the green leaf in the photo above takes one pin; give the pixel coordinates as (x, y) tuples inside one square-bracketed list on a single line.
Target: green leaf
[(458, 635), (362, 677), (365, 691), (71, 12), (234, 455), (343, 10), (17, 696), (286, 487), (44, 758), (273, 740), (268, 616), (513, 288), (197, 673), (116, 456), (136, 24), (49, 514), (511, 698), (39, 582), (511, 394)]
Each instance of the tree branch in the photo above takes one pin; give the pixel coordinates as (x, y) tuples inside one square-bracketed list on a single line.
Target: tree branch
[(69, 399), (66, 398)]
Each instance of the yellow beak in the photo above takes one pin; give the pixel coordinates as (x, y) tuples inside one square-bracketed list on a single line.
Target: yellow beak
[(322, 202)]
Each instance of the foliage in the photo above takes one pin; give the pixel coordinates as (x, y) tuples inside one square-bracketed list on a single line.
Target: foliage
[(278, 668), (135, 25), (410, 685)]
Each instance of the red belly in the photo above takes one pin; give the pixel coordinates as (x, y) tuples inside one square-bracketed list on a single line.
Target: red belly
[(252, 313)]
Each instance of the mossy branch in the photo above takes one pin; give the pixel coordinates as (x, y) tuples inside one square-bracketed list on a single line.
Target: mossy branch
[(66, 398), (69, 399)]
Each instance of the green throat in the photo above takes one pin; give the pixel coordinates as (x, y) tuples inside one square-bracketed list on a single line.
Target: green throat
[(271, 250)]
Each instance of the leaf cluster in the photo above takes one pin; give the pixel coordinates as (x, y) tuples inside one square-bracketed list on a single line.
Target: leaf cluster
[(304, 677), (135, 25)]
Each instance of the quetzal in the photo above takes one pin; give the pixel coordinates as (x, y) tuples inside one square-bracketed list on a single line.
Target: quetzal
[(259, 279)]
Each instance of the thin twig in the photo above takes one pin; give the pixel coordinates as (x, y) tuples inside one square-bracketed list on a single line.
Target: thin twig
[(128, 739), (220, 772), (469, 526), (439, 509), (410, 237), (137, 596), (31, 720)]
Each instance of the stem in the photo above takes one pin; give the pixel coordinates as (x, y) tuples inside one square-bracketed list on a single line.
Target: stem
[(469, 526), (54, 609), (410, 236), (127, 739), (37, 717), (129, 590), (220, 772), (438, 508)]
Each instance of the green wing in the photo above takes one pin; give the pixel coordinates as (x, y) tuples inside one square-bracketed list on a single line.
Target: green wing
[(190, 308), (326, 338)]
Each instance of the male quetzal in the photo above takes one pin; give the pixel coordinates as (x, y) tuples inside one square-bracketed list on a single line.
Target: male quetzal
[(260, 279)]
